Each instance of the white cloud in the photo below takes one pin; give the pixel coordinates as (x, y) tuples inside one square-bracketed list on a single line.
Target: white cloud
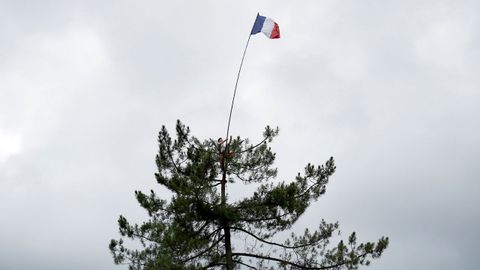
[(10, 144), (51, 73)]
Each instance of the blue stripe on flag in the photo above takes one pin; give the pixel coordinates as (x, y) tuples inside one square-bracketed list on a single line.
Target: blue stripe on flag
[(257, 26)]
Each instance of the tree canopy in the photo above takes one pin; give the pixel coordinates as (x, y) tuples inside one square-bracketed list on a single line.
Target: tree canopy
[(199, 228)]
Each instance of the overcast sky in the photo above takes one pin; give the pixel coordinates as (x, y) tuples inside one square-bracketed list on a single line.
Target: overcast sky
[(390, 89)]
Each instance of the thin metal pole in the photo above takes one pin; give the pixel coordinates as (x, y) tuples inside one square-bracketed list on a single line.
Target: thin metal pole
[(235, 91), (226, 225)]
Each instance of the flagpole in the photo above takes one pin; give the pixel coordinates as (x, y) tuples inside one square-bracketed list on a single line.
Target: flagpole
[(235, 89), (228, 244)]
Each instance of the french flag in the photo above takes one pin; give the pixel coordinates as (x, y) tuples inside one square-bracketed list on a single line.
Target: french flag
[(266, 26)]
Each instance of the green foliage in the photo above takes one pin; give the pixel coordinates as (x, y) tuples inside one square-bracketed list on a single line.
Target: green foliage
[(194, 228)]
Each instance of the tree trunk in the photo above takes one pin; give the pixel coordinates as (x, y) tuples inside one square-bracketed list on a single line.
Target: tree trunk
[(228, 248), (225, 222)]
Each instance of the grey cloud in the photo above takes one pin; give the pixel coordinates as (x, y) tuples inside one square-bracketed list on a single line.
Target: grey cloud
[(388, 88)]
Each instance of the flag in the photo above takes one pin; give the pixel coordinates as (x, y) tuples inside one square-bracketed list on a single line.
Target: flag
[(266, 26)]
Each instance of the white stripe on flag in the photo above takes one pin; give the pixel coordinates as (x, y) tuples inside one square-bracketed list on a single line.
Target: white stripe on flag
[(268, 27)]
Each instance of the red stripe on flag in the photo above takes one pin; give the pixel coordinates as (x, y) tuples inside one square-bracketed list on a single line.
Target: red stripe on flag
[(275, 31)]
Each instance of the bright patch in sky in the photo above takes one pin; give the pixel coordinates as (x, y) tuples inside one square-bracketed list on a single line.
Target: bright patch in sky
[(10, 144)]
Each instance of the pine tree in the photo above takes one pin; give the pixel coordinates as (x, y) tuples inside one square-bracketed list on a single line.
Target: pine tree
[(195, 229)]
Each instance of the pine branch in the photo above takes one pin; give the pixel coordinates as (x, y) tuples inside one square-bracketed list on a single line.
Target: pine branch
[(263, 219), (274, 243), (247, 265), (171, 159), (295, 264), (255, 146), (214, 244), (213, 264)]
